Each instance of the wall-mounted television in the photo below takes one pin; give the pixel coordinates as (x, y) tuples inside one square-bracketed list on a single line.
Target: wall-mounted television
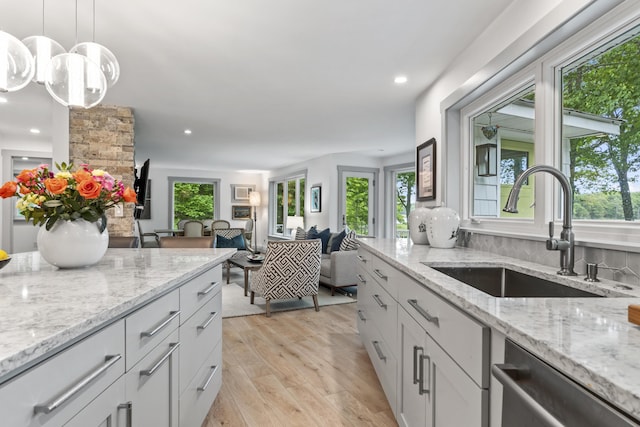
[(141, 187)]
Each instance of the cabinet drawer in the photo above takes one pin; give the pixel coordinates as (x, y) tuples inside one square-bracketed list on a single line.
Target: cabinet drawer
[(199, 395), (383, 311), (147, 327), (387, 276), (384, 362), (198, 336), (465, 339), (97, 362), (198, 291)]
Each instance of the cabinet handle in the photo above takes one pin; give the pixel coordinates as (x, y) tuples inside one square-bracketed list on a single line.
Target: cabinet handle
[(209, 289), (361, 259), (433, 319), (361, 316), (501, 372), (161, 326), (416, 349), (381, 356), (379, 301), (361, 279), (129, 407), (421, 389), (380, 275), (148, 372), (204, 386), (208, 322), (47, 408)]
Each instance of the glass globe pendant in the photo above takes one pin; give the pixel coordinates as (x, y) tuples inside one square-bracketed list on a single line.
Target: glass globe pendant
[(75, 81), (101, 56), (42, 49), (16, 63)]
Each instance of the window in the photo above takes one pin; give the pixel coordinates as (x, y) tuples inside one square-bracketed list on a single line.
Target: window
[(193, 198), (287, 199), (400, 198), (587, 110)]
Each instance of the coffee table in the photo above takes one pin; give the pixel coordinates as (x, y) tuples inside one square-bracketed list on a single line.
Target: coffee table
[(241, 260)]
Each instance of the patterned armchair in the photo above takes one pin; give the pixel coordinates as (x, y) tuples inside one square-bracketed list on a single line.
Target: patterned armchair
[(290, 269)]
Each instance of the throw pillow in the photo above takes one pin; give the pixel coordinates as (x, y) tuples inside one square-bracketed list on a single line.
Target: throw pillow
[(337, 240), (301, 234), (350, 242), (323, 235), (312, 233), (236, 242)]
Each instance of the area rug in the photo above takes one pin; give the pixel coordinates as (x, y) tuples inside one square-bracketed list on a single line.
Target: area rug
[(235, 304)]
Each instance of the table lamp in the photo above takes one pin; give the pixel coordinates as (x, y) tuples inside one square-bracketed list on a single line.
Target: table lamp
[(293, 222), (254, 200)]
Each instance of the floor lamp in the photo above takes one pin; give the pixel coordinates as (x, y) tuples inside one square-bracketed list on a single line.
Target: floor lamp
[(254, 200)]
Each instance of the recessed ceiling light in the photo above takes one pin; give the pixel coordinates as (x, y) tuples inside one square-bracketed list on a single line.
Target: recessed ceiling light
[(400, 80), (3, 100), (25, 158), (187, 131), (34, 130)]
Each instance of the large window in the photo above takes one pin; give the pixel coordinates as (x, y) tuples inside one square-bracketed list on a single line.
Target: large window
[(193, 198), (287, 199), (576, 108)]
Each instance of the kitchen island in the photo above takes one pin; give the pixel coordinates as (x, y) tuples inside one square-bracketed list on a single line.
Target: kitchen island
[(588, 339), (47, 313)]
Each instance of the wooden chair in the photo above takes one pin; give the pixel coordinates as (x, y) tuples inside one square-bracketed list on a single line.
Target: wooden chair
[(186, 242), (220, 224), (123, 242), (146, 243), (290, 269), (248, 232), (193, 229)]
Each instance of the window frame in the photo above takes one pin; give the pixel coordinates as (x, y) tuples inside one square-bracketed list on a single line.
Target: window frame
[(194, 180), (273, 201), (545, 72), (390, 180)]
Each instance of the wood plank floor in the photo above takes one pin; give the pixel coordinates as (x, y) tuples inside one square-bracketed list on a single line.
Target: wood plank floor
[(298, 368)]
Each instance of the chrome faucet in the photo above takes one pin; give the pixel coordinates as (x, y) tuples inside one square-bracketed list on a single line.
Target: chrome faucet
[(566, 242)]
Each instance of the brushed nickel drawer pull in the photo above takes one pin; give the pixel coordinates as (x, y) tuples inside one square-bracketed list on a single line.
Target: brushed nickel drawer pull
[(148, 372), (204, 386), (209, 289), (423, 312), (361, 316), (380, 275), (208, 322), (129, 407), (47, 408), (361, 278), (416, 349), (161, 326), (381, 356), (379, 301), (421, 389), (361, 259)]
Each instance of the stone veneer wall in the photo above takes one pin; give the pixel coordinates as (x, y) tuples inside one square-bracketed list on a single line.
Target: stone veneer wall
[(103, 138), (614, 265)]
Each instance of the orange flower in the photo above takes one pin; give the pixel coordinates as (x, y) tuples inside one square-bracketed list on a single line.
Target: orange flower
[(129, 195), (81, 175), (55, 185), (8, 189), (89, 189), (24, 190), (27, 175)]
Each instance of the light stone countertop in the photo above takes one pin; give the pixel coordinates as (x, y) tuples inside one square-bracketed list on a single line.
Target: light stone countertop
[(589, 339), (44, 309)]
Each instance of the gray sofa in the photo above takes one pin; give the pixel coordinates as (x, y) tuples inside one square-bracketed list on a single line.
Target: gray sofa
[(338, 269)]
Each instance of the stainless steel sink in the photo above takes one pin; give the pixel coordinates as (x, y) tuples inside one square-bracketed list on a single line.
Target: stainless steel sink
[(503, 282)]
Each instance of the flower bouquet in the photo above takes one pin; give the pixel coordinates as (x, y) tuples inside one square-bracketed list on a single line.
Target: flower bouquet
[(46, 197)]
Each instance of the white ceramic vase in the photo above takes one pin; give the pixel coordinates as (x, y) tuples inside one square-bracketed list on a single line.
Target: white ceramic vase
[(443, 227), (73, 244), (418, 219)]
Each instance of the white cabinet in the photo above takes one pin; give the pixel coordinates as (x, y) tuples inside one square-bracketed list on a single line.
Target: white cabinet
[(107, 410)]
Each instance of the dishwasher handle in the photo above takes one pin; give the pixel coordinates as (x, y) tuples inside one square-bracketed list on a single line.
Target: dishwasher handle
[(505, 373)]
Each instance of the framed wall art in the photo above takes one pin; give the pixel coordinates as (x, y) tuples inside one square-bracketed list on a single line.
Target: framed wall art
[(316, 199), (240, 212), (426, 171)]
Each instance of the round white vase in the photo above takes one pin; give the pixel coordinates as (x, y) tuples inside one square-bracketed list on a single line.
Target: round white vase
[(418, 219), (73, 244), (443, 227)]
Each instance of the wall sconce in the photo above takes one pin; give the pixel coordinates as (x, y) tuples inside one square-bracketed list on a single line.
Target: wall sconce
[(487, 159)]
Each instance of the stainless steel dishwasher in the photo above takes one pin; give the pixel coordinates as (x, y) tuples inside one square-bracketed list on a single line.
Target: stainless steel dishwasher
[(535, 394)]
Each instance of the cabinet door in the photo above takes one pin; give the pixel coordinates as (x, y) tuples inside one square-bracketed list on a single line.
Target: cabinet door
[(107, 410), (152, 386), (412, 398)]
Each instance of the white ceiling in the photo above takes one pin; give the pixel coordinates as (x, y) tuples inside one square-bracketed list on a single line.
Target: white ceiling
[(262, 84)]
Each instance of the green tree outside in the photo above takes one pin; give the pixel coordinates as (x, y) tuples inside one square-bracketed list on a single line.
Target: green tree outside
[(405, 200), (192, 201)]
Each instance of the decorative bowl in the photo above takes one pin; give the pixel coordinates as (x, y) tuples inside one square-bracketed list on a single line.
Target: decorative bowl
[(255, 258), (4, 262)]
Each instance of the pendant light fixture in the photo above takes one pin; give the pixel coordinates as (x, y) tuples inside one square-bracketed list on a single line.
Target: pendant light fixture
[(16, 63), (487, 154), (42, 49)]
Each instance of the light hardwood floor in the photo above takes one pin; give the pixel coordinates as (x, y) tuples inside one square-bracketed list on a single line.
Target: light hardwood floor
[(298, 368)]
